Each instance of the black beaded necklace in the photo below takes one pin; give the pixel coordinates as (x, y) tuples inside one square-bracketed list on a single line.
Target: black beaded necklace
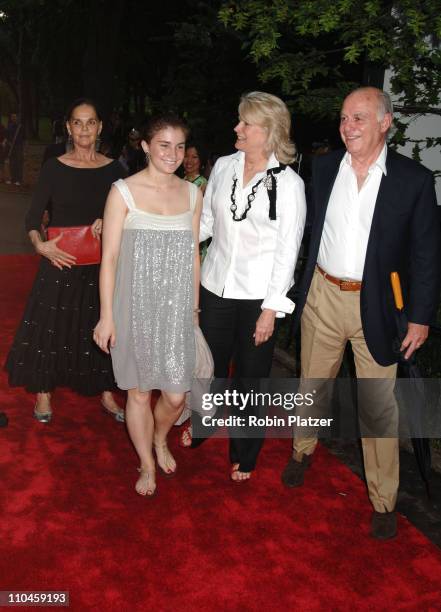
[(271, 186)]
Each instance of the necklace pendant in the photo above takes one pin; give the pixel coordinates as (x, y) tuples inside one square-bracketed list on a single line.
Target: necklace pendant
[(268, 182)]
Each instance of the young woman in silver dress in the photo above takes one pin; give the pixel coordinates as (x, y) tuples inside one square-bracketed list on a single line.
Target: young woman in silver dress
[(149, 288)]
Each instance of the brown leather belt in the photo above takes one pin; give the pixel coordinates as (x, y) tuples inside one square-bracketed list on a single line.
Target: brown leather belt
[(343, 285)]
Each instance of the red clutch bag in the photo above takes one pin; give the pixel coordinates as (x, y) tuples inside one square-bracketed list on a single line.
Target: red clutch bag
[(78, 241)]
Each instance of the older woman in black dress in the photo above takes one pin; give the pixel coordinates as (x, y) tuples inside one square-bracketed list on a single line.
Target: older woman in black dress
[(53, 345)]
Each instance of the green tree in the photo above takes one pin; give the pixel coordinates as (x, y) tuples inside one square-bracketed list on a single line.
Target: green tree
[(207, 74), (141, 57), (56, 50), (318, 50)]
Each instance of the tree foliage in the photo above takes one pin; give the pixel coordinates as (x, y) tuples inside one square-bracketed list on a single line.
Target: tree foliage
[(57, 50), (132, 55), (318, 50), (207, 75), (198, 56)]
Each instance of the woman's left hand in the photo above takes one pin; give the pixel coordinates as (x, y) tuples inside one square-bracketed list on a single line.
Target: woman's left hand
[(97, 228), (264, 326)]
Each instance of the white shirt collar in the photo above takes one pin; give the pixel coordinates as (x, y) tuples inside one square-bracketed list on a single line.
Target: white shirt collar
[(380, 161), (272, 160)]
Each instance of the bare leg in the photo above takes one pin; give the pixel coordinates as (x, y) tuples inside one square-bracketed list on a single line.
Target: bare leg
[(140, 425), (167, 411), (42, 407), (43, 403), (109, 403)]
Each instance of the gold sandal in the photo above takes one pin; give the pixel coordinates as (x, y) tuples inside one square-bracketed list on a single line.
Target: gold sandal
[(162, 449), (147, 474)]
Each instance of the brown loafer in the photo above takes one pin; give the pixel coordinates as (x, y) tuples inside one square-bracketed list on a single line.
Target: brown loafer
[(384, 525), (294, 473)]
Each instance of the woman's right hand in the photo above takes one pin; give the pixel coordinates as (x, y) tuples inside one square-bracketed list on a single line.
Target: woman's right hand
[(56, 256), (104, 334)]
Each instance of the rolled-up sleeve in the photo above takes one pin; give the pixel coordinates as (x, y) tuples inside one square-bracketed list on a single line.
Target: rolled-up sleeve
[(291, 206)]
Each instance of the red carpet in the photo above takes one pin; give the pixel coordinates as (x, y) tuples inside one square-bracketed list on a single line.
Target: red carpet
[(70, 519)]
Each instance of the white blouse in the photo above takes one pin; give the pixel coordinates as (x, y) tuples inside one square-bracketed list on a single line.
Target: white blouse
[(254, 258)]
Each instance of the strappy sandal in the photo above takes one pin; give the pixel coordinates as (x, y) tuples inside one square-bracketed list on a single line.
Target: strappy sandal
[(235, 470), (42, 417), (163, 452), (118, 415), (147, 474), (186, 438)]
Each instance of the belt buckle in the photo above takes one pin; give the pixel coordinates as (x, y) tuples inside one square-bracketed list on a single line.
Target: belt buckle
[(347, 285)]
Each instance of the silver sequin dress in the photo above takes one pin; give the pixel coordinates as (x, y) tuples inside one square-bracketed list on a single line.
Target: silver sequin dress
[(153, 299)]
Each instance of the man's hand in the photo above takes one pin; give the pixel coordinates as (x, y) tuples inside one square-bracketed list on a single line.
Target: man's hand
[(416, 336), (264, 326)]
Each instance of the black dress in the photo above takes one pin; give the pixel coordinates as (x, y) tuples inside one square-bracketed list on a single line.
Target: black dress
[(53, 345)]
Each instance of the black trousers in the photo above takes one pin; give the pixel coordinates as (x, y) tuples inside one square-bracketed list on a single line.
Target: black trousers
[(228, 326)]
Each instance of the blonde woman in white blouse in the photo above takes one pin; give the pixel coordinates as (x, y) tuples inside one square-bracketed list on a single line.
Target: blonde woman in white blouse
[(254, 210)]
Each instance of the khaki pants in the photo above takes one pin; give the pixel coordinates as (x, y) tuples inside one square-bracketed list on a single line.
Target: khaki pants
[(330, 318)]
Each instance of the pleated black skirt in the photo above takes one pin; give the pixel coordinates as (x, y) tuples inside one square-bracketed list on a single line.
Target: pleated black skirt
[(53, 345)]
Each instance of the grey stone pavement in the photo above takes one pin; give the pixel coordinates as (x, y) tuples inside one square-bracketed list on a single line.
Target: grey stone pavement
[(425, 514)]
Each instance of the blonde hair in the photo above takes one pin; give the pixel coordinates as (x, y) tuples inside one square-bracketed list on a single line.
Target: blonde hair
[(270, 112)]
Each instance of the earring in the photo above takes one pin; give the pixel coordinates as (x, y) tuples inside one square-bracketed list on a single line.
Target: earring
[(98, 143), (69, 143), (147, 157)]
